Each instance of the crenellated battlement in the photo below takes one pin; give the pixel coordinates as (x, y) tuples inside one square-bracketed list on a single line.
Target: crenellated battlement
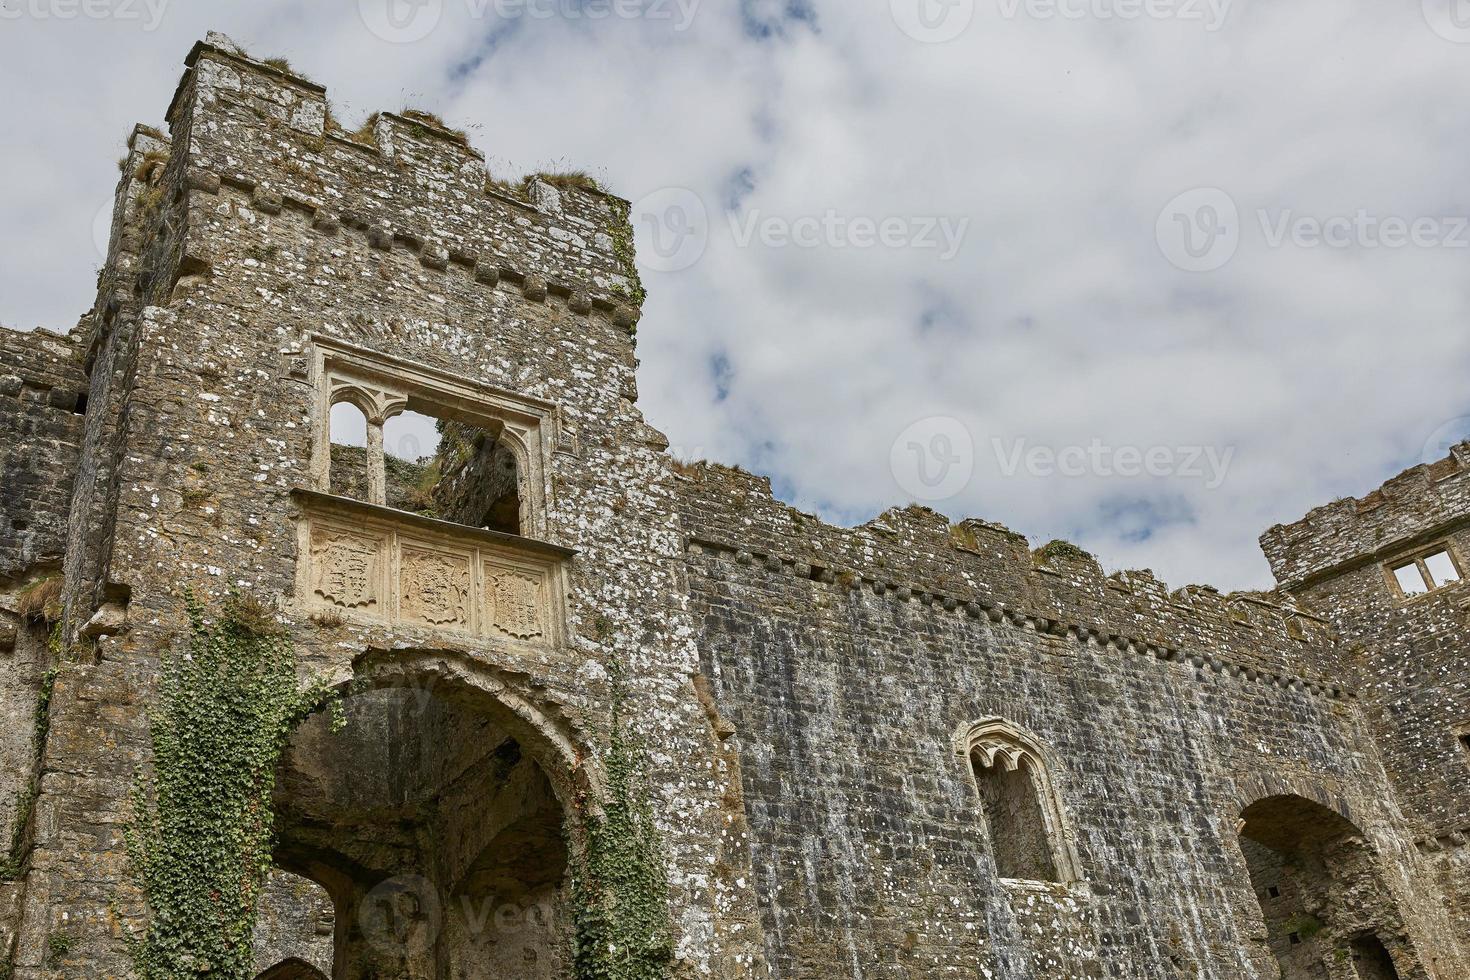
[(1410, 509), (985, 570), (404, 181)]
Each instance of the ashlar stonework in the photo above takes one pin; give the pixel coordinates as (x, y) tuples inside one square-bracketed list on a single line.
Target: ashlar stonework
[(909, 749)]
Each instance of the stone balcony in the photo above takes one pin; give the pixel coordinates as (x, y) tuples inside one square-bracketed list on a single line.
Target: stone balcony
[(376, 564)]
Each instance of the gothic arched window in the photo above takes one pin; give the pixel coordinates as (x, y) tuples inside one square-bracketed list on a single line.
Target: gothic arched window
[(1022, 813)]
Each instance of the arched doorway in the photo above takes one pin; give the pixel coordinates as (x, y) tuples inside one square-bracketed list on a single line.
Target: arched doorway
[(292, 969), (1327, 912), (435, 824), (294, 923)]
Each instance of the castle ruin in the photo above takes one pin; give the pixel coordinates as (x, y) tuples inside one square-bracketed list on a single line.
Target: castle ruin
[(910, 749)]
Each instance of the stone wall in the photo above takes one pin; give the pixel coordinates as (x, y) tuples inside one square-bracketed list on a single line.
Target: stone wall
[(43, 396), (1411, 656), (846, 661)]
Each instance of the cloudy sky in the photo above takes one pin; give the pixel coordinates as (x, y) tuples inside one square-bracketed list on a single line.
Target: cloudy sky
[(1150, 275)]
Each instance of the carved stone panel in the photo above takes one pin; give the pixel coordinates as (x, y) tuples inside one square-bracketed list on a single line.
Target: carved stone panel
[(368, 562), (347, 568), (515, 601), (434, 588)]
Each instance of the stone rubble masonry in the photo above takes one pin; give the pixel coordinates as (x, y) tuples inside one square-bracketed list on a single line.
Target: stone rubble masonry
[(1410, 658), (803, 690), (43, 391)]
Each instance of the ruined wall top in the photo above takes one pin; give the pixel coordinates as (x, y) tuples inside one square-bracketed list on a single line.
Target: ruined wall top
[(979, 568), (1413, 507), (43, 391), (404, 180)]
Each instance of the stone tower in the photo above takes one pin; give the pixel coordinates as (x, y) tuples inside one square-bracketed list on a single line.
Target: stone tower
[(265, 267), (1387, 570), (393, 405)]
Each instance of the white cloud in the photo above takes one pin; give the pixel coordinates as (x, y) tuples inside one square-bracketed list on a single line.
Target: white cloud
[(1060, 322)]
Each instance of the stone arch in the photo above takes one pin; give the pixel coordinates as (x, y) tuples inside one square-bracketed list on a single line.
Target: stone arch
[(444, 821), (1319, 885), (292, 969), (1012, 775), (295, 918), (1252, 789)]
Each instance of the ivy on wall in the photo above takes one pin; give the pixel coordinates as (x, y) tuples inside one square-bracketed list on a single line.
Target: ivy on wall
[(201, 832), (621, 890)]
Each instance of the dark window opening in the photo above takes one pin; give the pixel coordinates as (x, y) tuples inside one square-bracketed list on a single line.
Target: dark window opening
[(1018, 835), (1372, 961), (1464, 736), (81, 404), (1294, 938), (1273, 892)]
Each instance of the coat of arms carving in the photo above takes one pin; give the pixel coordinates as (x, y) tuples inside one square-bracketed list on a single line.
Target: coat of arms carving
[(435, 588), (345, 569), (515, 602)]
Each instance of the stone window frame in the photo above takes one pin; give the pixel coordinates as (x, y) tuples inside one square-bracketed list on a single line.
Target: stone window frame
[(1417, 557), (999, 741), (382, 386)]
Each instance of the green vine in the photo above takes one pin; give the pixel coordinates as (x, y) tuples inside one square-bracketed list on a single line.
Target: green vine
[(201, 832), (621, 891)]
